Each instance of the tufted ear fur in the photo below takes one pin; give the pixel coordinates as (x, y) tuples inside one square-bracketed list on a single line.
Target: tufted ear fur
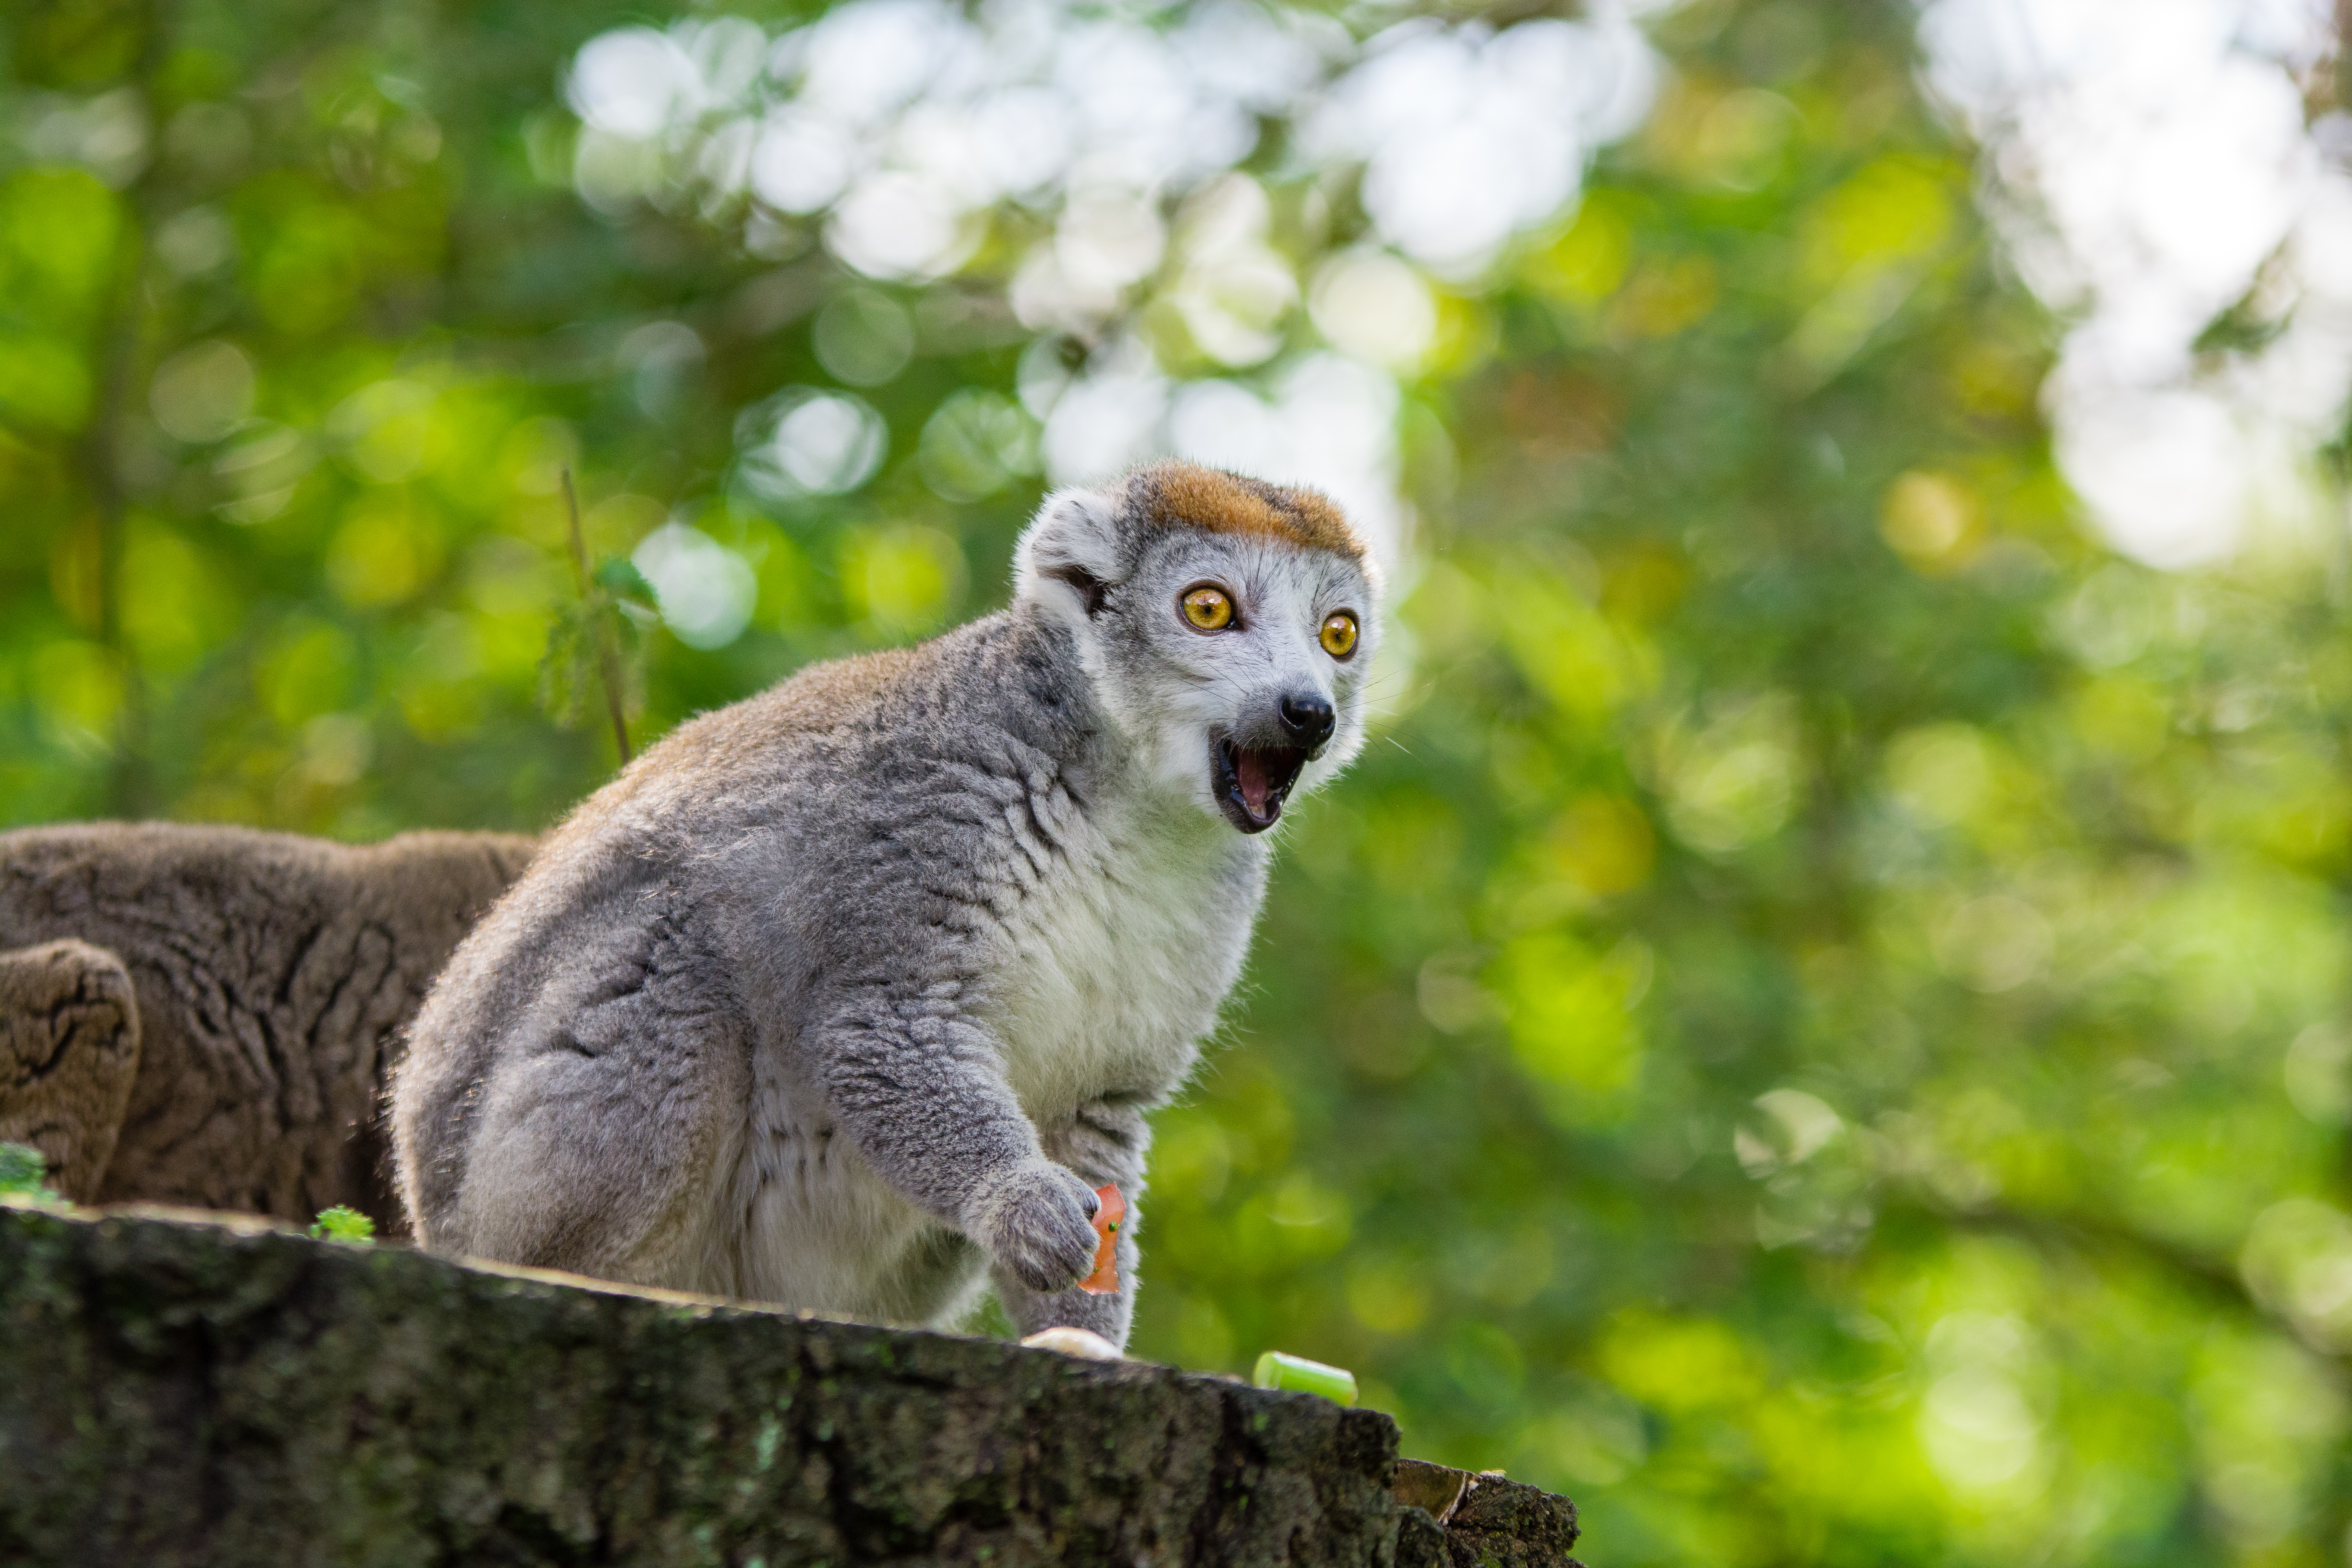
[(1073, 555)]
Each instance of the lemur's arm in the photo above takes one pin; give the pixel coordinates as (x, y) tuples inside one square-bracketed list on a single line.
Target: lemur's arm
[(1105, 1142), (68, 1051), (915, 1080), (949, 844)]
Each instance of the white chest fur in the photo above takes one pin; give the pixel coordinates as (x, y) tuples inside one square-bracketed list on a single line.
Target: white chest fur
[(1115, 966)]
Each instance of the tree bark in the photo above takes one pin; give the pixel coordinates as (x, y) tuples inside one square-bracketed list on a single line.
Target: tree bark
[(180, 1388)]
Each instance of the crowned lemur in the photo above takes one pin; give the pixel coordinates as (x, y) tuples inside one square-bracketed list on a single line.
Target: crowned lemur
[(847, 992)]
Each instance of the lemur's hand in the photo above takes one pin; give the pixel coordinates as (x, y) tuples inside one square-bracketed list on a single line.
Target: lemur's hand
[(1037, 1218)]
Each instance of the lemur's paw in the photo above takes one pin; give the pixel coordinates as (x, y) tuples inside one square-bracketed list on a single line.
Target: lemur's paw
[(1037, 1220)]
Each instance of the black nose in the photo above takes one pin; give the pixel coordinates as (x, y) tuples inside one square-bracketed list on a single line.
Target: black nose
[(1307, 716)]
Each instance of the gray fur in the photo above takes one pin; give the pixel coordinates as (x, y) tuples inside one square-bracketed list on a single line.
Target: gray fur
[(204, 1015), (843, 993)]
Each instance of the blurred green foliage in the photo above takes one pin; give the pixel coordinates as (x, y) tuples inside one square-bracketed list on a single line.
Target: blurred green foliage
[(23, 1171), (1819, 1026)]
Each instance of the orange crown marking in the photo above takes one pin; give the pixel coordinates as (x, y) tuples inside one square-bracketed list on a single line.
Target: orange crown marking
[(1220, 502)]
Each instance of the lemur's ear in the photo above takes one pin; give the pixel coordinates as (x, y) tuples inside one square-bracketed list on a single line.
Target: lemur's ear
[(1070, 557)]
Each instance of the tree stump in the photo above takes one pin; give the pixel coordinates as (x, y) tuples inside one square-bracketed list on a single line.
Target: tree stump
[(179, 1387)]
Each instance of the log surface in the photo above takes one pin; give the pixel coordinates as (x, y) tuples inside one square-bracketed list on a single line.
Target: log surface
[(183, 1388)]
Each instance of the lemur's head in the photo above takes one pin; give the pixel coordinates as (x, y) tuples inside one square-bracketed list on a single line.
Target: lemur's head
[(1228, 626)]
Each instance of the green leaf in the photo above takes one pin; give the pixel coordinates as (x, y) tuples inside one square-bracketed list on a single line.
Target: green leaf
[(342, 1224), (619, 577), (22, 1169)]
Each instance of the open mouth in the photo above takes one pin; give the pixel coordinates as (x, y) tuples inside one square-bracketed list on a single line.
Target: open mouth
[(1251, 781)]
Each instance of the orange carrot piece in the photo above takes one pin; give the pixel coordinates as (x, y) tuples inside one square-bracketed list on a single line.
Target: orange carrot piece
[(1104, 1280)]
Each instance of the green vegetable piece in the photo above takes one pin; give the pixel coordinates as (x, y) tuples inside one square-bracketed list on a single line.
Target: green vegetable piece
[(1277, 1369), (342, 1224), (21, 1169)]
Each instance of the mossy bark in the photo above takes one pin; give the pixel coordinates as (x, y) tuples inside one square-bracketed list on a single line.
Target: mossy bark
[(192, 1389)]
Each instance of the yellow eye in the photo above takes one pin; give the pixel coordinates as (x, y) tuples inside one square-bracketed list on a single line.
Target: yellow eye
[(1210, 609), (1339, 633)]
